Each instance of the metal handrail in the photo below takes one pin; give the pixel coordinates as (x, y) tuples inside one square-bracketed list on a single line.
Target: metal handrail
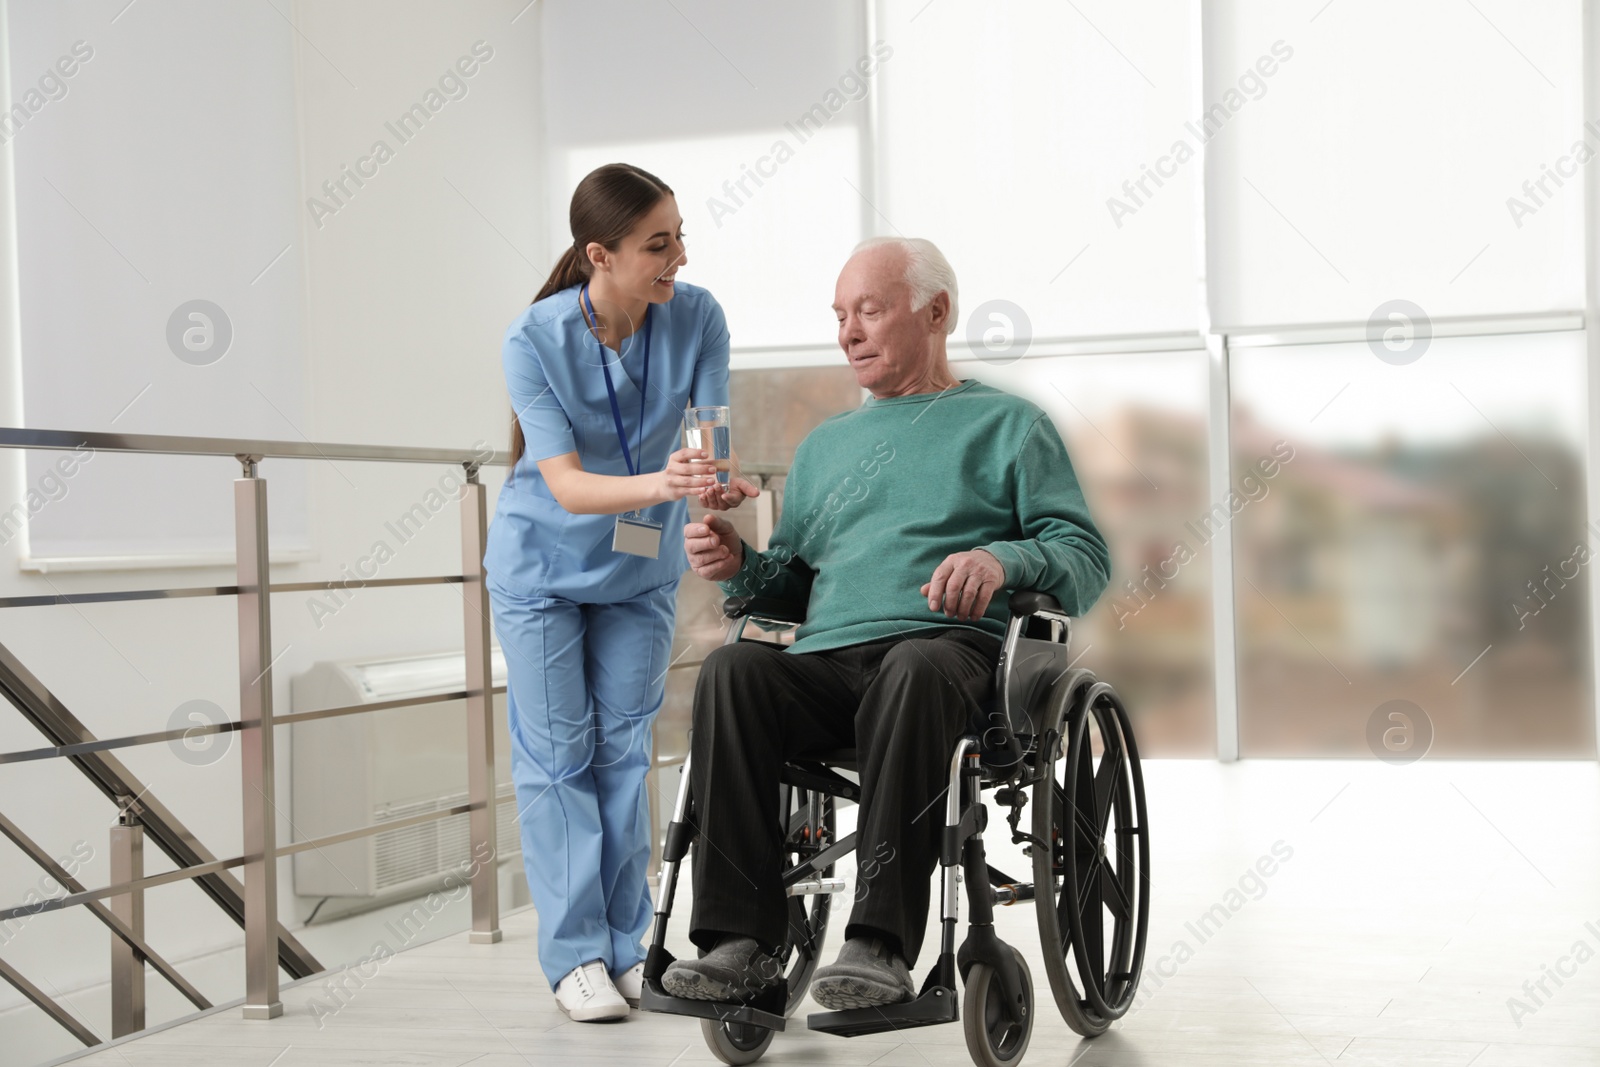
[(130, 740), (377, 828), (190, 592), (28, 755), (84, 896), (254, 904), (377, 705), (161, 444), (164, 445), (148, 882)]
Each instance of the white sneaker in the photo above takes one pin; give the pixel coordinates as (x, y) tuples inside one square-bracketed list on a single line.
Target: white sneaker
[(630, 983), (587, 995)]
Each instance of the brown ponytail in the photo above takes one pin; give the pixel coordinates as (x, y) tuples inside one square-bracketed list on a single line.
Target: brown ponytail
[(605, 207)]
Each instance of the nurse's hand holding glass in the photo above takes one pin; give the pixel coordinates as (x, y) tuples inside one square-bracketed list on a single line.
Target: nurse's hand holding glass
[(686, 473), (707, 429)]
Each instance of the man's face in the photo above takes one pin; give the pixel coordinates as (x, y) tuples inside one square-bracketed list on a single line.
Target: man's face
[(890, 347)]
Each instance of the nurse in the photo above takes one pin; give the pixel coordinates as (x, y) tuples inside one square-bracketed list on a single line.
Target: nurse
[(584, 556)]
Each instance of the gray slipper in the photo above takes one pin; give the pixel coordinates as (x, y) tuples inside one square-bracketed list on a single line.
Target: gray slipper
[(735, 970), (866, 975)]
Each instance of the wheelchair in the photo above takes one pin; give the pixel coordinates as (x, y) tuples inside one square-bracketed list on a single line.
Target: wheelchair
[(1049, 729)]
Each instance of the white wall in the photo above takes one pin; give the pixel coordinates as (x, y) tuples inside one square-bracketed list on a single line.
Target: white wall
[(407, 289), (201, 205)]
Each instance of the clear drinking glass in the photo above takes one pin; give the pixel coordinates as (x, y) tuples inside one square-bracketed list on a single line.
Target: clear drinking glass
[(708, 428)]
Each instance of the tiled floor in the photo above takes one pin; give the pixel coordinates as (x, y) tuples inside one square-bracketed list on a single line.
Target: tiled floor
[(1413, 904)]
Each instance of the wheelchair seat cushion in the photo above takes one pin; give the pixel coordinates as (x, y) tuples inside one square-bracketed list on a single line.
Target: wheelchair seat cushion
[(843, 759)]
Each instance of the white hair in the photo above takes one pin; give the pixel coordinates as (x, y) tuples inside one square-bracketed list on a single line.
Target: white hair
[(928, 273)]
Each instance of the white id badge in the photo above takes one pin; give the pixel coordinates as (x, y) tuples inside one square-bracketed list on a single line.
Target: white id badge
[(637, 536)]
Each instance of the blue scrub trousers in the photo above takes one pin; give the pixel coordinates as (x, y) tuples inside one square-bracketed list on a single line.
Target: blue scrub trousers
[(584, 684)]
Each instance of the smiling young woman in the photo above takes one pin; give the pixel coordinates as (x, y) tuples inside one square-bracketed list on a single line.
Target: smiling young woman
[(600, 368)]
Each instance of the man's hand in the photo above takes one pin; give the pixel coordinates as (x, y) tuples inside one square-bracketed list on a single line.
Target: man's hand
[(715, 551), (724, 497), (963, 584)]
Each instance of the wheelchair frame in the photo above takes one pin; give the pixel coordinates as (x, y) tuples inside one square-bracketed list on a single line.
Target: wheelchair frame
[(1042, 709)]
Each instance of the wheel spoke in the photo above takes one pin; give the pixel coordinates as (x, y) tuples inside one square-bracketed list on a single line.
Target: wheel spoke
[(1085, 817), (1091, 904), (1106, 780), (1084, 829), (1072, 896), (1064, 903), (802, 931), (1115, 897)]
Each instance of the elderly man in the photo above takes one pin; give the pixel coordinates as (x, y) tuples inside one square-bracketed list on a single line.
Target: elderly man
[(903, 521)]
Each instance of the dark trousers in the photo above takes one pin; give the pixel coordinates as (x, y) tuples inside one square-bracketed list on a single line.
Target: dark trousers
[(902, 702)]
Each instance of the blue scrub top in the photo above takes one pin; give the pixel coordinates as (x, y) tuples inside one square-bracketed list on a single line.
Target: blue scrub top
[(553, 368)]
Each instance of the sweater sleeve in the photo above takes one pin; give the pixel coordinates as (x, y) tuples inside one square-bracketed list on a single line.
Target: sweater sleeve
[(1062, 552), (777, 573)]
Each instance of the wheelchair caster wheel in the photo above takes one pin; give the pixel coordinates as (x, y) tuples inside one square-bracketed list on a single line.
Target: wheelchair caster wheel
[(735, 1043), (997, 1033)]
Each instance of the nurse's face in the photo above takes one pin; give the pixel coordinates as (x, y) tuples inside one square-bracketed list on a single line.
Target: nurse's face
[(645, 263)]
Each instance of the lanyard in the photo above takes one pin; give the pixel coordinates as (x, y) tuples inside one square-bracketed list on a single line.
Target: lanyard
[(611, 390)]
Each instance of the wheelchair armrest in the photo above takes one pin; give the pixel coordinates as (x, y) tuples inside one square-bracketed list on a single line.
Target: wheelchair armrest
[(763, 607), (1033, 602)]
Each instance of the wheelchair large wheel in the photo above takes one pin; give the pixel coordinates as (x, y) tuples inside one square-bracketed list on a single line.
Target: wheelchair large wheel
[(1092, 882), (809, 819), (997, 1033)]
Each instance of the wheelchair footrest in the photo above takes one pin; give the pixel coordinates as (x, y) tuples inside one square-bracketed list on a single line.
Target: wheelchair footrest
[(652, 998), (937, 1005)]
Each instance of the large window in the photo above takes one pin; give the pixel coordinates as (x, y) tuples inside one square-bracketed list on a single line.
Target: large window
[(1135, 427), (1424, 541)]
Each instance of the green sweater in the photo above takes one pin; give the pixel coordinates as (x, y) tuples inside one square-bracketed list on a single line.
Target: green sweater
[(879, 496)]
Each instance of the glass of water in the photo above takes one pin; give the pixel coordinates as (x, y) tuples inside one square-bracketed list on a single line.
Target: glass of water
[(708, 428)]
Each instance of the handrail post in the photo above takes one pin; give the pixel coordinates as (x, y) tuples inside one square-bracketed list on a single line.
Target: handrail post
[(481, 791), (255, 746), (127, 963)]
